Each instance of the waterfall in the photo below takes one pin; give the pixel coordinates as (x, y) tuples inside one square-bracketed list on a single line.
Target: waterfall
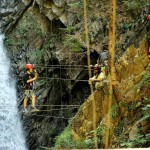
[(11, 133)]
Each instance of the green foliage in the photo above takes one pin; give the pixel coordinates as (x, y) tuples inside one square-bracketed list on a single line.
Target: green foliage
[(48, 43), (75, 4), (39, 52), (119, 128), (77, 8), (126, 26), (135, 4), (139, 141), (80, 144), (23, 30), (147, 77), (28, 26), (72, 43), (26, 29), (20, 43), (39, 32), (114, 111), (131, 5), (138, 104), (74, 39), (99, 130), (90, 142), (65, 141), (145, 81), (52, 130), (69, 29), (146, 108), (8, 41), (39, 55)]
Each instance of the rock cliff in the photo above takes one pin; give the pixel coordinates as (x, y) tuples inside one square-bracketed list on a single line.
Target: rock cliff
[(130, 76)]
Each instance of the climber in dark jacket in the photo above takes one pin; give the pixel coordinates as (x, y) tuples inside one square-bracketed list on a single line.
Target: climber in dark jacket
[(29, 77)]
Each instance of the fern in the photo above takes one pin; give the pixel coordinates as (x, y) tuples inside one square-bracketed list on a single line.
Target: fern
[(72, 43), (75, 4)]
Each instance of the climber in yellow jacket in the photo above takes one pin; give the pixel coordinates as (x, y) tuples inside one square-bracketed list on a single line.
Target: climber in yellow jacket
[(98, 77)]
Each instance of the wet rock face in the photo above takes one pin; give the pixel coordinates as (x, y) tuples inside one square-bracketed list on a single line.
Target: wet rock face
[(9, 10), (7, 7), (26, 2), (53, 10), (59, 3), (7, 3)]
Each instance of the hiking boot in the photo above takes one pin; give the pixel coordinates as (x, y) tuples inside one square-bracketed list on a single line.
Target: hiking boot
[(34, 109), (25, 110)]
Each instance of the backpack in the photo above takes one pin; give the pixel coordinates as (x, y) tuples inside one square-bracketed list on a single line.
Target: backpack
[(103, 56)]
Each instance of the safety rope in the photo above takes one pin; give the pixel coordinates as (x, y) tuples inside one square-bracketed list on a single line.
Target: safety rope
[(47, 87), (62, 66), (60, 105), (60, 85), (77, 80), (112, 29), (60, 71), (47, 110), (53, 82), (45, 148), (47, 116), (27, 53), (89, 71), (70, 74), (47, 105)]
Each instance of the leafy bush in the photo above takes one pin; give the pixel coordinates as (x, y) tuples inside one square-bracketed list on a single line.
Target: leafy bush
[(135, 4), (147, 77), (146, 108), (72, 43), (90, 142), (65, 141), (141, 139), (131, 5), (20, 43), (114, 111), (8, 41), (74, 5), (39, 55), (27, 25)]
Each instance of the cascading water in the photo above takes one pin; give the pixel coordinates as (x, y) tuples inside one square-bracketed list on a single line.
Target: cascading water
[(11, 134)]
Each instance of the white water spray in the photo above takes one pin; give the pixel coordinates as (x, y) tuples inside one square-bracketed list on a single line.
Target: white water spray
[(11, 134)]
